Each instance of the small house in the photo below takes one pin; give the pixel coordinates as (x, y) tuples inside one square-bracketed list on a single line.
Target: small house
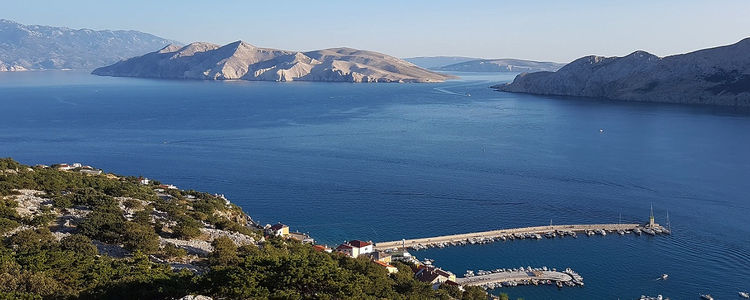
[(278, 230), (380, 256), (355, 248), (391, 269), (434, 275)]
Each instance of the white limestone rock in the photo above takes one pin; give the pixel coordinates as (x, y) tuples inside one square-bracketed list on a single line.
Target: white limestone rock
[(240, 60), (715, 76)]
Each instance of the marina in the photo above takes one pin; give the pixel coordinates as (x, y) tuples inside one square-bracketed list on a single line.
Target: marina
[(537, 232)]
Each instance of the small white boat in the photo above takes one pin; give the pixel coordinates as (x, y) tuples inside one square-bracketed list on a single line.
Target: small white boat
[(707, 297), (744, 295), (664, 276)]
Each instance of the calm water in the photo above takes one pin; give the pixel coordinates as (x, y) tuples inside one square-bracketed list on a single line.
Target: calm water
[(391, 161)]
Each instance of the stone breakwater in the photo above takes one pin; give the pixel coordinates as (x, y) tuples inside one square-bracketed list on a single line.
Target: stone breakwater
[(521, 276), (536, 232)]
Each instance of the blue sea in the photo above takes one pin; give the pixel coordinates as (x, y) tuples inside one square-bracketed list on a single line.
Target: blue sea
[(390, 161)]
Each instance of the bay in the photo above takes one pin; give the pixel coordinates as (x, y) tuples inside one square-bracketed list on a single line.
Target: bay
[(390, 161)]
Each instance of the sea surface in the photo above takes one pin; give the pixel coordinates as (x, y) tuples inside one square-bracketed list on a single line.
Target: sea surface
[(390, 161)]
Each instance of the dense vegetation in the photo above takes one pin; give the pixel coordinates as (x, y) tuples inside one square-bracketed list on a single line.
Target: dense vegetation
[(34, 264)]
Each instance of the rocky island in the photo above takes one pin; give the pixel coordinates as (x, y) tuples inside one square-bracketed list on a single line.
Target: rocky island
[(243, 61), (76, 232), (715, 76)]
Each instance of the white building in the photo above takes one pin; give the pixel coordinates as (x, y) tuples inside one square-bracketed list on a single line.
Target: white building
[(355, 248)]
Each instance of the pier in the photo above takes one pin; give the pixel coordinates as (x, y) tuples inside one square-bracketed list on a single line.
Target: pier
[(536, 232), (521, 276)]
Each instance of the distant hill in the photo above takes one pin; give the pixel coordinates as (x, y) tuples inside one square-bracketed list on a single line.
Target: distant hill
[(35, 47), (502, 65), (432, 62), (716, 76), (240, 60)]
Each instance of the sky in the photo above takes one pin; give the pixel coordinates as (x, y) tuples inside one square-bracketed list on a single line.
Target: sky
[(543, 30)]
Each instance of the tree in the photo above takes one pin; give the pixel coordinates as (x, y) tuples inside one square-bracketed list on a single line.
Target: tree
[(30, 240), (139, 237), (7, 225), (105, 223), (79, 243), (474, 293), (143, 216), (225, 251), (171, 251), (187, 227)]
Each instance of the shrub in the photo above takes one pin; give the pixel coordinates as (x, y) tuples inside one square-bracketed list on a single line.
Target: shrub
[(137, 237), (172, 251), (187, 227), (7, 225), (105, 223), (30, 240), (42, 219), (9, 163), (132, 204), (143, 217), (8, 208), (79, 243), (225, 251)]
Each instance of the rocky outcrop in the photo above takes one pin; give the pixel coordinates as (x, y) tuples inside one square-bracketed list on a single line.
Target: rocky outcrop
[(35, 47), (716, 76), (243, 61), (502, 65), (10, 67)]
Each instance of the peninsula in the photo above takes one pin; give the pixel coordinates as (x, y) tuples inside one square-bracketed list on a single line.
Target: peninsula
[(715, 76), (243, 61), (502, 65), (72, 231), (470, 64)]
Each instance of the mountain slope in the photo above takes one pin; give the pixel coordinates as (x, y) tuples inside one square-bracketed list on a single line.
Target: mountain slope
[(433, 62), (75, 232), (35, 47), (715, 76), (502, 65), (240, 60)]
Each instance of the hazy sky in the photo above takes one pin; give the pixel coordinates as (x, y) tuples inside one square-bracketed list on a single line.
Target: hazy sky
[(542, 30)]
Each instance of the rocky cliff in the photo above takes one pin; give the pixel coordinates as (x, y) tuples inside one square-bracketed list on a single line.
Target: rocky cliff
[(243, 61), (715, 76)]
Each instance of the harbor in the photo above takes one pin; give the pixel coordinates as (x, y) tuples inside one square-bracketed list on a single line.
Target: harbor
[(536, 232), (521, 276)]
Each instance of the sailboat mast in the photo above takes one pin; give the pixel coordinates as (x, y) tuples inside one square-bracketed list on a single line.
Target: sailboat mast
[(651, 218), (669, 224)]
